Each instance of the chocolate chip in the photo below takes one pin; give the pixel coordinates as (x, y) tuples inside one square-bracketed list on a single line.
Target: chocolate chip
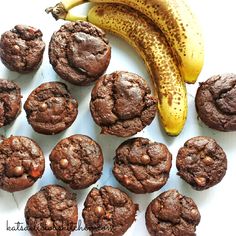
[(108, 215), (99, 211), (145, 159), (208, 160), (49, 223), (194, 212), (18, 171), (126, 179), (43, 107), (64, 163), (201, 181)]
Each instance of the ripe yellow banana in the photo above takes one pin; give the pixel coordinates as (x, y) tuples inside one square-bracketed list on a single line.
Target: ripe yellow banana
[(151, 44), (176, 21)]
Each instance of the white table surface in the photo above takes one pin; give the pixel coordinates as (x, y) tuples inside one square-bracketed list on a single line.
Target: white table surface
[(217, 205)]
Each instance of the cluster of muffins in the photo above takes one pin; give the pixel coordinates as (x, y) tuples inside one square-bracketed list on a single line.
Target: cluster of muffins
[(140, 165), (122, 105), (79, 52)]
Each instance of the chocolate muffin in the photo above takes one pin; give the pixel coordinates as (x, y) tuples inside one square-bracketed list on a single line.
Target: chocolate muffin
[(10, 101), (77, 160), (22, 48), (50, 108), (201, 162), (21, 163), (51, 211), (122, 104), (142, 166), (216, 102), (108, 211), (172, 214), (79, 52)]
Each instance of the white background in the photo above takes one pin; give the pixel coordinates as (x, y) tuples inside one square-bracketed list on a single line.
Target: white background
[(218, 204)]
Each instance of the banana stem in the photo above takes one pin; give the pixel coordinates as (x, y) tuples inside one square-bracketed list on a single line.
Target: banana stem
[(61, 9), (58, 11)]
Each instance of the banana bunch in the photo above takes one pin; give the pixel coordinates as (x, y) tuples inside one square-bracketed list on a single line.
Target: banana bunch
[(141, 33), (173, 17)]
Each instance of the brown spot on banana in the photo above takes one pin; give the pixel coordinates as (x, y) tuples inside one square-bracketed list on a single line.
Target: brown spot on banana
[(151, 44), (101, 12)]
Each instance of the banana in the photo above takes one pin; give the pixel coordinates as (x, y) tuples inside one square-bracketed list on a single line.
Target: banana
[(151, 44), (176, 21)]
